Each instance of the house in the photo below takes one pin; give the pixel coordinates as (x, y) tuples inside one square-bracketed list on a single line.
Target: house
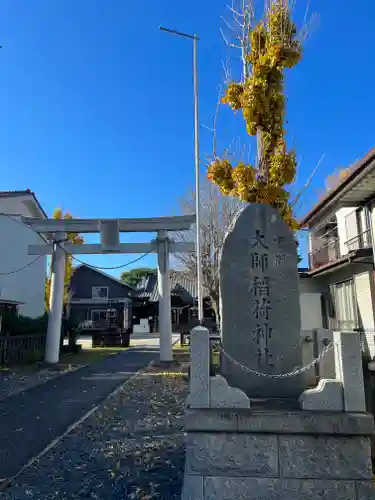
[(341, 259), (184, 295), (22, 277), (8, 307), (96, 297)]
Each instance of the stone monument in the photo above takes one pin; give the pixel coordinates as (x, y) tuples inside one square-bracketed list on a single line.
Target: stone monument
[(243, 437), (260, 310)]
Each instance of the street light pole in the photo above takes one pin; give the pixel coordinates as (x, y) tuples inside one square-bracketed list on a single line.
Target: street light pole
[(197, 170)]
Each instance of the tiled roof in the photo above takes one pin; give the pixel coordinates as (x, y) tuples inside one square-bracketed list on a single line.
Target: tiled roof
[(10, 302), (99, 271), (357, 168), (181, 286), (24, 192), (16, 192)]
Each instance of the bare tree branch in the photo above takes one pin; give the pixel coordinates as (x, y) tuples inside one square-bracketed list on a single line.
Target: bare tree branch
[(236, 14), (308, 182), (217, 213), (227, 24), (227, 71), (214, 135)]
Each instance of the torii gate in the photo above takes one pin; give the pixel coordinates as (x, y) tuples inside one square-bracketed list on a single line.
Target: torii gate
[(109, 229)]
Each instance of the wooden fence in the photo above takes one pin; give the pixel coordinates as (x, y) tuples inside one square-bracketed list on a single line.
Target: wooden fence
[(16, 349)]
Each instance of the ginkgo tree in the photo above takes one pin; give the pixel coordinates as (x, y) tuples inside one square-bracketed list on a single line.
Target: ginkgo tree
[(69, 268), (269, 47)]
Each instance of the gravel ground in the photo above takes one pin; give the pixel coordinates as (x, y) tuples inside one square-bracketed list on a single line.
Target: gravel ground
[(20, 379), (131, 448)]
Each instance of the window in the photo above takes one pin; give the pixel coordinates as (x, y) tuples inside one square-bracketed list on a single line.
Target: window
[(100, 292), (346, 317), (98, 315)]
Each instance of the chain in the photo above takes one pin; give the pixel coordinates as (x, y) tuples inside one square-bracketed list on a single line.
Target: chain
[(293, 373), (217, 343)]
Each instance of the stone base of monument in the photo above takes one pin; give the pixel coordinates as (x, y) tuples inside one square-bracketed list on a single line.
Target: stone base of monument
[(277, 455), (275, 404), (275, 448)]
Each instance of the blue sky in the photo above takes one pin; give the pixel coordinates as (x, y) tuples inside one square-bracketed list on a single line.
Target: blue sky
[(97, 107)]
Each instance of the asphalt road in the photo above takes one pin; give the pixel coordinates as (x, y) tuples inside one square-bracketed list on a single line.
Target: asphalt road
[(30, 420)]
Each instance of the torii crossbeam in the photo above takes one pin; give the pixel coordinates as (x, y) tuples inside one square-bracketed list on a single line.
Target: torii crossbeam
[(55, 232)]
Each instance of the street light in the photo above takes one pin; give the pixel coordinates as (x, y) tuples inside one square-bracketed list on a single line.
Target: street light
[(197, 176)]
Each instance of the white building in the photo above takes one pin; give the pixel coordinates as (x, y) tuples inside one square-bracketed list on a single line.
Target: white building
[(28, 285), (341, 261)]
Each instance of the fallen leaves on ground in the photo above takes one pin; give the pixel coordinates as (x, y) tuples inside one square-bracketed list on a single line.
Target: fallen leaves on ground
[(16, 380), (131, 448)]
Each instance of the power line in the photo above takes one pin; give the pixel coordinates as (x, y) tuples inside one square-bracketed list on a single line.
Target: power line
[(22, 268), (109, 268), (78, 260), (31, 229)]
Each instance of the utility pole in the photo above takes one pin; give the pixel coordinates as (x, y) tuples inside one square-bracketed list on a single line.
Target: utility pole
[(197, 169)]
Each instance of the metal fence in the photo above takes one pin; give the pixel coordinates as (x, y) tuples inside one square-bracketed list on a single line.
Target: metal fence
[(16, 349), (359, 242), (328, 252)]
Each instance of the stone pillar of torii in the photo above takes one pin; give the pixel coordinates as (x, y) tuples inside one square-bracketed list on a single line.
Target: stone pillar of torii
[(58, 247)]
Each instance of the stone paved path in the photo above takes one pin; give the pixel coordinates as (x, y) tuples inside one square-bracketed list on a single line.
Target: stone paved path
[(32, 419)]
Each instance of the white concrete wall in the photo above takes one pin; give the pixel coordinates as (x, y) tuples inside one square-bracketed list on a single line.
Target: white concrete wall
[(310, 285), (311, 311), (364, 288), (28, 285), (346, 228), (310, 303), (363, 296), (310, 242)]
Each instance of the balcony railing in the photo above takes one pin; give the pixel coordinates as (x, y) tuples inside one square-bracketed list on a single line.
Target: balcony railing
[(360, 242), (330, 251), (325, 254)]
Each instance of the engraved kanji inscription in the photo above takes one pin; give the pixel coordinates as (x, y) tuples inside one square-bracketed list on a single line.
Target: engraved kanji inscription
[(259, 287), (258, 240), (259, 261), (280, 259), (279, 240), (268, 356), (262, 332), (265, 358), (261, 308)]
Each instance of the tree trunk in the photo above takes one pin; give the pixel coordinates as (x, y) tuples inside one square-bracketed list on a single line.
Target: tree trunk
[(263, 166)]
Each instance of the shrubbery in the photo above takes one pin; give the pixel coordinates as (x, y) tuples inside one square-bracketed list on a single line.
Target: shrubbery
[(23, 325)]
